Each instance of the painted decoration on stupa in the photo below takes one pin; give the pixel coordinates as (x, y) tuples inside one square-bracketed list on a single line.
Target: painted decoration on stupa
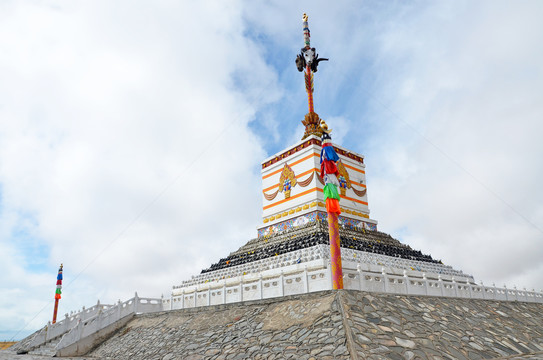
[(287, 181), (343, 178), (359, 193)]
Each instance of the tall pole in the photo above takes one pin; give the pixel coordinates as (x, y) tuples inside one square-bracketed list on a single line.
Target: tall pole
[(308, 60), (58, 291), (329, 173)]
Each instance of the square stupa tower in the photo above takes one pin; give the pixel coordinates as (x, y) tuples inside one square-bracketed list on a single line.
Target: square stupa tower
[(292, 192)]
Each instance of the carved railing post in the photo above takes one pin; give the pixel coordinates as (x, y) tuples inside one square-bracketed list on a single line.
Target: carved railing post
[(425, 283), (385, 279), (195, 295), (99, 319), (47, 330), (261, 286), (136, 302), (119, 308), (495, 291), (305, 280), (359, 271), (241, 288), (79, 329)]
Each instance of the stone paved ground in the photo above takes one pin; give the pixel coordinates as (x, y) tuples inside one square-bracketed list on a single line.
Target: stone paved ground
[(11, 356), (291, 329), (407, 327), (333, 325)]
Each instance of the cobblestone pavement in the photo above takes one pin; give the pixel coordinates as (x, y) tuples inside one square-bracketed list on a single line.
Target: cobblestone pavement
[(407, 327), (333, 325), (270, 330)]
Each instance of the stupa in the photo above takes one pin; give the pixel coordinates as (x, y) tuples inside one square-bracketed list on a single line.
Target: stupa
[(294, 234)]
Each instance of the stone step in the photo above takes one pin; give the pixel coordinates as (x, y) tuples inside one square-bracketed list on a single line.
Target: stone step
[(47, 349)]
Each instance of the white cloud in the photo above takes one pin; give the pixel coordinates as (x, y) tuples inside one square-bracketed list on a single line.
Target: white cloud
[(467, 93), (111, 115)]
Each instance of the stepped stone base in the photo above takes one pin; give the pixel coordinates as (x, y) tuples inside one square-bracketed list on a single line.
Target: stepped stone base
[(297, 245), (335, 325)]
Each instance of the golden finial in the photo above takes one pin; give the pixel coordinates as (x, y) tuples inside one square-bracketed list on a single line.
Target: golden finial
[(324, 127)]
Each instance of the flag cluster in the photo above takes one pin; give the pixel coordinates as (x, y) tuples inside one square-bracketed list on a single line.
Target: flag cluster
[(329, 171), (58, 291)]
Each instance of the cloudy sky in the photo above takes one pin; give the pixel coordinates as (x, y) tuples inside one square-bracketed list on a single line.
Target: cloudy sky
[(131, 135)]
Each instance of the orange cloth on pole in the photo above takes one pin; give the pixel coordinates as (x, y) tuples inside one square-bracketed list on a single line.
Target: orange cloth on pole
[(332, 205)]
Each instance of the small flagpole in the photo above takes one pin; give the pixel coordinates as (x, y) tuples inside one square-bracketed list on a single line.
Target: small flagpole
[(58, 291)]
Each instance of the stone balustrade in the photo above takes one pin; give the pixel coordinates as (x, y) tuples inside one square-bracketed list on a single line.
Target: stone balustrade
[(108, 317), (51, 331), (77, 325), (316, 276)]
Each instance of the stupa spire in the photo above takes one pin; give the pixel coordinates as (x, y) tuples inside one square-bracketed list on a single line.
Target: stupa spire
[(308, 61)]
